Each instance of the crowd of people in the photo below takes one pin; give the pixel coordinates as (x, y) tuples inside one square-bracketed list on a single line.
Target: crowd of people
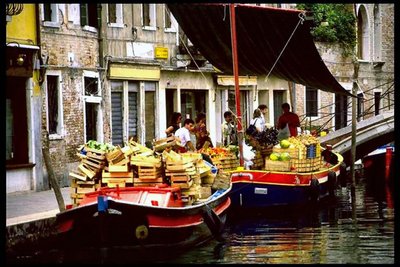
[(194, 136)]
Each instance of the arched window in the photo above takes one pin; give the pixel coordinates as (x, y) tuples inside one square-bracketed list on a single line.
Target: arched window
[(363, 34), (377, 33)]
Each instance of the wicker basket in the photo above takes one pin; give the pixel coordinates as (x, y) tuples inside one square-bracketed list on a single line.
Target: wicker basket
[(275, 165)]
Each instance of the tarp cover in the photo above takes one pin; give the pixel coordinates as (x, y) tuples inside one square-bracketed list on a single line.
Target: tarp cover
[(262, 33)]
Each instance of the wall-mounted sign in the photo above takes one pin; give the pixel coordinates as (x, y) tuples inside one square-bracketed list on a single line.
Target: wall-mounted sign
[(161, 52)]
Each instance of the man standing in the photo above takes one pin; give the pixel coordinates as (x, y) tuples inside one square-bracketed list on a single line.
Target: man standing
[(184, 136), (263, 109), (288, 118), (229, 131)]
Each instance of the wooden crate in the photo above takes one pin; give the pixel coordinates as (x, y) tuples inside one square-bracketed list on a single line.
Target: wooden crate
[(182, 181), (276, 165), (118, 168), (147, 180), (164, 143), (115, 156), (106, 174), (145, 172)]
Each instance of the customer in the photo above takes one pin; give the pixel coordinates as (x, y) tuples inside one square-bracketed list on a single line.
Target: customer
[(174, 123), (264, 110), (257, 119), (288, 118), (200, 130), (229, 130), (183, 134)]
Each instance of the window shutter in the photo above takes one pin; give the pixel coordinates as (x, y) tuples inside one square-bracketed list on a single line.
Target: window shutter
[(132, 116), (99, 8), (84, 17), (116, 118)]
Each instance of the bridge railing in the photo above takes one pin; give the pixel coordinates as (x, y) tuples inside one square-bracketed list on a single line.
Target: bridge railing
[(324, 121)]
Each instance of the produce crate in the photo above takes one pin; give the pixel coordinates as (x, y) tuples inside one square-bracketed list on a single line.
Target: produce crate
[(276, 165), (306, 165), (145, 172), (164, 143)]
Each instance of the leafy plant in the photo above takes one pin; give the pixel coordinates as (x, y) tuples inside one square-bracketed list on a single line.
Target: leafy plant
[(341, 26)]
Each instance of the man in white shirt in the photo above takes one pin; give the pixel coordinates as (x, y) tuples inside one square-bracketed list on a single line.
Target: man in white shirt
[(184, 135)]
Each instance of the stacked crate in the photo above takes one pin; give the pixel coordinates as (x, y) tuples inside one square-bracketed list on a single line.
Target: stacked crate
[(87, 177), (147, 167), (118, 172), (226, 163)]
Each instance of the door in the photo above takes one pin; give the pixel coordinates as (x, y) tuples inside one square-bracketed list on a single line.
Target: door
[(278, 101)]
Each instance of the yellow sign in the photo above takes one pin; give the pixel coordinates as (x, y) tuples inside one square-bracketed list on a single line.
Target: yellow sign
[(161, 52)]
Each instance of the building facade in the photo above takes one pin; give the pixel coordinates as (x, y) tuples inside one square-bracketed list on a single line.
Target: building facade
[(111, 72), (23, 95)]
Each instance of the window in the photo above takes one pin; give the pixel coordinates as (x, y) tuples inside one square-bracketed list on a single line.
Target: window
[(50, 15), (150, 110), (92, 112), (115, 17), (124, 111), (363, 34), (360, 107), (192, 102), (149, 16), (311, 102), (89, 15), (246, 114), (167, 18), (377, 101), (54, 105), (377, 33)]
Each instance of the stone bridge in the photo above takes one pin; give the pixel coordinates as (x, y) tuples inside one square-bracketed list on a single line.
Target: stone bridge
[(371, 134)]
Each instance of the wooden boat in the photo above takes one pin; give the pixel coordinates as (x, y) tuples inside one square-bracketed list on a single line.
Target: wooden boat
[(143, 216), (262, 188)]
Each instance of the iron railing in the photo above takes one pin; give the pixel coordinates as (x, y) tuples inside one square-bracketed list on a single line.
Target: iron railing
[(324, 120)]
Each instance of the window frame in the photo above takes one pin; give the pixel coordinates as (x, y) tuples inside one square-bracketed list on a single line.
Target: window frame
[(152, 15), (60, 125), (174, 23), (54, 22), (119, 14), (94, 100), (317, 100)]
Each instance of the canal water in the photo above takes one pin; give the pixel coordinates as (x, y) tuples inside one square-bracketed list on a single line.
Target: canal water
[(340, 230)]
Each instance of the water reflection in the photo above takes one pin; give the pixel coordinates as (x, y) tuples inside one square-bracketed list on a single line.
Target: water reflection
[(312, 234)]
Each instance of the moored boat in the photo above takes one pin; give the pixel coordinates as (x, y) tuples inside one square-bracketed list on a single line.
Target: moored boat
[(143, 216), (267, 188)]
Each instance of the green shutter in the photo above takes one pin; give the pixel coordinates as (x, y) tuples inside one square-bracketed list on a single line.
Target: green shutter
[(99, 8), (84, 17)]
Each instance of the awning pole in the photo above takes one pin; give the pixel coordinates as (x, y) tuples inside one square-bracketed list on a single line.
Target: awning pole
[(236, 75)]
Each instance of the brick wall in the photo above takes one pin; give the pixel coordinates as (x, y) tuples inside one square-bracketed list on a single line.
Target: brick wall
[(59, 44)]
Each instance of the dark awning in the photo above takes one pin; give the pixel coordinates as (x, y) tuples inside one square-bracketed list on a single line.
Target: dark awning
[(261, 35)]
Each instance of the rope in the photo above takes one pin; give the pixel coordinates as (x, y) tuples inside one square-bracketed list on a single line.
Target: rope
[(301, 19)]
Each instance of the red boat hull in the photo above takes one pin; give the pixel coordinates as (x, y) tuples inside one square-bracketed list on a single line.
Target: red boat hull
[(131, 223)]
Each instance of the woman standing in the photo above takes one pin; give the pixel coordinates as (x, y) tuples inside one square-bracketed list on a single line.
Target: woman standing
[(174, 124), (200, 130)]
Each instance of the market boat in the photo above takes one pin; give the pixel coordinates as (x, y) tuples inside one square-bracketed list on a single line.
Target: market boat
[(270, 47), (268, 188), (153, 216)]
